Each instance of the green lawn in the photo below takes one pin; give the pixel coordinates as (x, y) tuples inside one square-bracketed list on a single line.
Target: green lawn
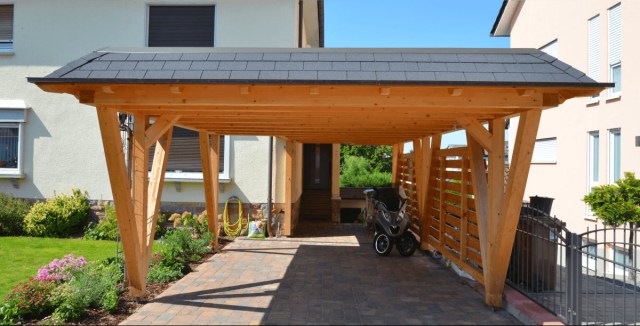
[(21, 257)]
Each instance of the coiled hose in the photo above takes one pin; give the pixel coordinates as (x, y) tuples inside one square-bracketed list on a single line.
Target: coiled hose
[(232, 229)]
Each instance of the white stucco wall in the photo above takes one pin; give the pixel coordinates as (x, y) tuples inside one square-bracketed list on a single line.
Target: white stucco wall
[(62, 146), (566, 181)]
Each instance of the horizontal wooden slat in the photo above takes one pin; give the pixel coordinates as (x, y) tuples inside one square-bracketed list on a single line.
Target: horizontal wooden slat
[(472, 229), (452, 220), (475, 257), (471, 217), (434, 233), (460, 151), (453, 198), (452, 243), (473, 243), (453, 175), (452, 232)]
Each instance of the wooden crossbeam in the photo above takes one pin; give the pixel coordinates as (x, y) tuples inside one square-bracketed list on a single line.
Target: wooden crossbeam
[(159, 128), (121, 190), (478, 132), (209, 154)]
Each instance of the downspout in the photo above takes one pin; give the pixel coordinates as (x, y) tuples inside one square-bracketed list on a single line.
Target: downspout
[(300, 20)]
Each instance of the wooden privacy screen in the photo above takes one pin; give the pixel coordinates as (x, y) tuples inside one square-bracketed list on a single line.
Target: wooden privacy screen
[(451, 217), (406, 176)]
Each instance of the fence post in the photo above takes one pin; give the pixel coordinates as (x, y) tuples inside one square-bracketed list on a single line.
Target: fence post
[(574, 278)]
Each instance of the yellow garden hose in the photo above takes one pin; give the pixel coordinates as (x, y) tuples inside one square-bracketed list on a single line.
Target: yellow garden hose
[(234, 229)]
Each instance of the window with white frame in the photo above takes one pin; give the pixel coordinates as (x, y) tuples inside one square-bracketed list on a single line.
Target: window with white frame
[(13, 115), (6, 28), (545, 151), (614, 155), (593, 168), (594, 50), (615, 49)]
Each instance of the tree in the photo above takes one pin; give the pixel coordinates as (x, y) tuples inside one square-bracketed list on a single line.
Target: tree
[(379, 157), (618, 203)]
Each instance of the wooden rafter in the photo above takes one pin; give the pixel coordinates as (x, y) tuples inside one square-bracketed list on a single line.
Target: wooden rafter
[(160, 127)]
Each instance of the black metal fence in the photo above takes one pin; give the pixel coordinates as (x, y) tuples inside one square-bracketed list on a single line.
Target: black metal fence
[(587, 278)]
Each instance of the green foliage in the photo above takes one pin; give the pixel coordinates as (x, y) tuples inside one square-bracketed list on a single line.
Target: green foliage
[(616, 204), (106, 229), (357, 172), (95, 286), (8, 314), (12, 213), (163, 274), (179, 248), (379, 157), (161, 230), (31, 298), (197, 223), (58, 217)]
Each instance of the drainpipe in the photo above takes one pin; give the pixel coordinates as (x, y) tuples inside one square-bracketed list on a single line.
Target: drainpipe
[(269, 182), (300, 15)]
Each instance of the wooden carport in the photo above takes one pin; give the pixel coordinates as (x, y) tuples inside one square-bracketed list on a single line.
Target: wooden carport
[(356, 96)]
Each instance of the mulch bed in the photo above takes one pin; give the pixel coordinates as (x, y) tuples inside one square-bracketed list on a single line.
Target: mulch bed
[(128, 305)]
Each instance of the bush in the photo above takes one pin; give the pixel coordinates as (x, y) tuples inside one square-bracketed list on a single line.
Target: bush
[(106, 229), (60, 216), (163, 274), (8, 314), (179, 248), (61, 269), (12, 213), (95, 286), (357, 172), (31, 298), (197, 223)]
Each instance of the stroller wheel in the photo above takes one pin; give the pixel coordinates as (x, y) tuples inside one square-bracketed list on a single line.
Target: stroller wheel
[(382, 244), (407, 245)]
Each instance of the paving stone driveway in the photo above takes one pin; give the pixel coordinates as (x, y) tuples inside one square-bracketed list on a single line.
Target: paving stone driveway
[(327, 275)]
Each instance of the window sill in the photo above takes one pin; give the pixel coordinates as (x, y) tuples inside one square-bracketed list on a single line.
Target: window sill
[(593, 101), (9, 175), (193, 177), (7, 52), (593, 219), (614, 97)]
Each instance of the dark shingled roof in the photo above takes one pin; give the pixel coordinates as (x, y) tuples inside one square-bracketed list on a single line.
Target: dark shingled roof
[(491, 67)]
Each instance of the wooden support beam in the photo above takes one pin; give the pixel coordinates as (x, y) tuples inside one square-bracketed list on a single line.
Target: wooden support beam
[(430, 145), (394, 164), (481, 197), (159, 128), (335, 171), (505, 228), (288, 189), (209, 154), (140, 183), (417, 171), (156, 182), (478, 132), (121, 190)]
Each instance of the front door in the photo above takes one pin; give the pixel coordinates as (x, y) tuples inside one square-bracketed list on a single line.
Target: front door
[(317, 166)]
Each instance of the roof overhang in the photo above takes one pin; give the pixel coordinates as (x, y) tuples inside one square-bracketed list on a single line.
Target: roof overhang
[(507, 17), (363, 110)]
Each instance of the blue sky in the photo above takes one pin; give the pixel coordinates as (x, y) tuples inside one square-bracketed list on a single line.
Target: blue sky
[(413, 24)]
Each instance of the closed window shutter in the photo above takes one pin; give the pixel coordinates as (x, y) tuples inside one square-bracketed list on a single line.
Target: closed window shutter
[(594, 48), (6, 22), (181, 26), (545, 151), (184, 154), (615, 34)]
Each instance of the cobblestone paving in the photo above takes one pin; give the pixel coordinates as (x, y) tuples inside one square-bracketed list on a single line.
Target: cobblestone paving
[(325, 275)]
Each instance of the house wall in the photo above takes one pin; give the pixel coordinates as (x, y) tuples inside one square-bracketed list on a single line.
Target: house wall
[(566, 181), (62, 146)]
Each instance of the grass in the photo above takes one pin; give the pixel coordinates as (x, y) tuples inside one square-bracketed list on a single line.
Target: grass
[(21, 257)]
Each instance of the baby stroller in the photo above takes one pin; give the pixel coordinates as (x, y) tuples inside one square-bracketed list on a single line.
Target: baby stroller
[(385, 212)]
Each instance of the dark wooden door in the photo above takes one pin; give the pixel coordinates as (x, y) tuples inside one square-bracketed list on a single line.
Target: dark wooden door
[(317, 166)]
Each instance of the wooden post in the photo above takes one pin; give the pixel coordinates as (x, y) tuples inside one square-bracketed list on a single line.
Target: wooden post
[(156, 182), (394, 164), (430, 146), (504, 228), (140, 181), (417, 172), (335, 184), (121, 190), (288, 187), (209, 151)]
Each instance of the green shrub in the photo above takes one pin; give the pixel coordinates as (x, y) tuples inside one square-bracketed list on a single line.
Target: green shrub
[(106, 229), (12, 213), (95, 286), (8, 314), (161, 230), (179, 248), (33, 299), (163, 274), (357, 172), (60, 216), (197, 223)]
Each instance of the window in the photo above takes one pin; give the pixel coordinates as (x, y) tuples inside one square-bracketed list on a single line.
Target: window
[(186, 26), (615, 49), (545, 151), (593, 165), (551, 48), (6, 28), (183, 26), (621, 260), (13, 115), (594, 50), (614, 155)]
